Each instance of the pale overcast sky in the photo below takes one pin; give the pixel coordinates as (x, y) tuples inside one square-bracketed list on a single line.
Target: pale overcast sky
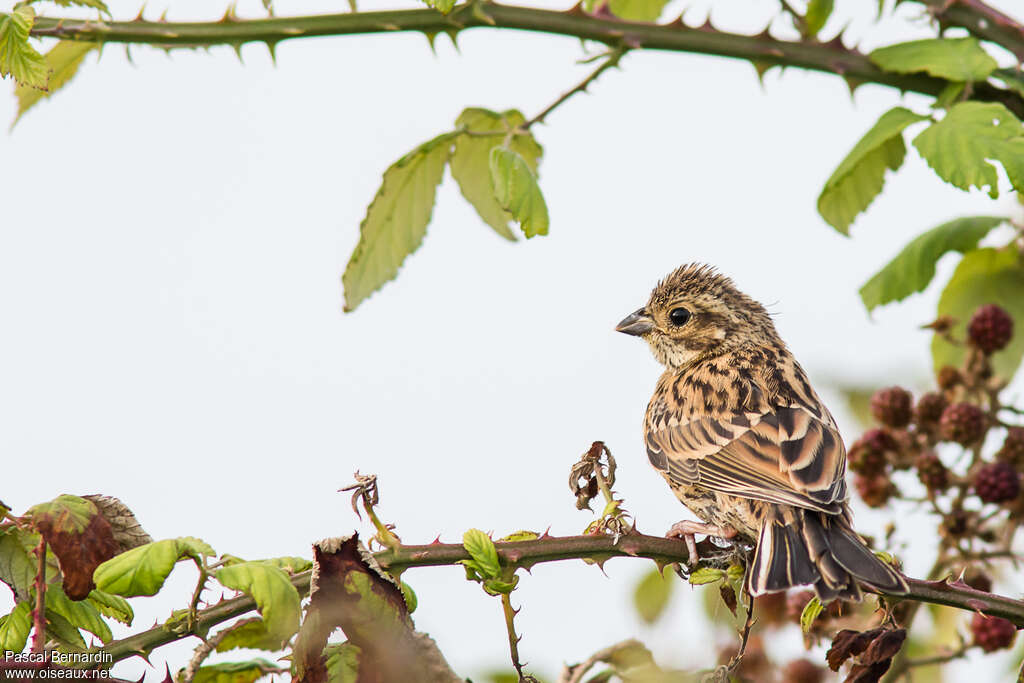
[(174, 235)]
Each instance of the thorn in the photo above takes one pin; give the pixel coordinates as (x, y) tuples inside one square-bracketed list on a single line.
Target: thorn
[(431, 35), (163, 17), (453, 34), (229, 14), (237, 47), (546, 534), (853, 83), (576, 10), (138, 17), (761, 68), (436, 541), (766, 33), (272, 49), (707, 26), (678, 22)]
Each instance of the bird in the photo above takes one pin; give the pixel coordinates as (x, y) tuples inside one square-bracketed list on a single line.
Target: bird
[(741, 437)]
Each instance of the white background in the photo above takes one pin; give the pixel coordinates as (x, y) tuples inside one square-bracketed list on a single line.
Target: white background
[(173, 237)]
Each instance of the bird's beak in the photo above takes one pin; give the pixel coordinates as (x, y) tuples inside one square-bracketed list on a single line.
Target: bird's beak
[(637, 323)]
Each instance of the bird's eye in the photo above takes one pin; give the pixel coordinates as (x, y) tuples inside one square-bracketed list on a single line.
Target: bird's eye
[(679, 316)]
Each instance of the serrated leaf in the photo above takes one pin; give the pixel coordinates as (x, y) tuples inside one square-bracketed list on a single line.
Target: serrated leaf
[(500, 586), (485, 556), (520, 536), (94, 4), (292, 565), (516, 189), (706, 575), (65, 513), (958, 146), (955, 59), (195, 547), (470, 161), (251, 634), (143, 570), (234, 672), (276, 598), (914, 267), (17, 568), (810, 612), (17, 57), (396, 220), (342, 663), (651, 595), (860, 176), (15, 627), (442, 6), (637, 10), (734, 572), (63, 631), (411, 601), (818, 12), (113, 606), (983, 276), (79, 614), (63, 62)]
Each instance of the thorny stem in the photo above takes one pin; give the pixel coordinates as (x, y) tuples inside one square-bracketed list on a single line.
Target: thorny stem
[(205, 648), (613, 60), (524, 554), (193, 608), (575, 674), (831, 57), (39, 611), (510, 627)]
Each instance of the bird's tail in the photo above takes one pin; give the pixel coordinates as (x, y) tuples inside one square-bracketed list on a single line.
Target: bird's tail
[(806, 547)]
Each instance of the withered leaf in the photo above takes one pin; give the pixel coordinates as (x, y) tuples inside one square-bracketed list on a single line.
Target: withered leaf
[(884, 647), (80, 537), (728, 594), (862, 673), (848, 643), (128, 533)]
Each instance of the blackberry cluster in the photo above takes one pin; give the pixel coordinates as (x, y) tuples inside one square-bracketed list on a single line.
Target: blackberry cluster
[(992, 633), (929, 409), (962, 423), (997, 482)]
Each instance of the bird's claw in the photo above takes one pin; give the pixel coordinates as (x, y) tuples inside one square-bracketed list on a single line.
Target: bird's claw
[(687, 529)]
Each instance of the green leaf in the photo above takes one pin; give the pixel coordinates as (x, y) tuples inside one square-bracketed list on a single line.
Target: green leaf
[(522, 535), (396, 220), (861, 175), (811, 611), (651, 595), (251, 634), (142, 570), (470, 162), (706, 575), (94, 4), (342, 662), (79, 614), (734, 572), (955, 59), (516, 189), (485, 556), (818, 12), (292, 565), (17, 568), (14, 628), (67, 513), (275, 596), (63, 62), (500, 586), (195, 547), (442, 6), (949, 95), (17, 57), (914, 267), (409, 595), (113, 606), (63, 631), (984, 276), (235, 672), (958, 146), (637, 10)]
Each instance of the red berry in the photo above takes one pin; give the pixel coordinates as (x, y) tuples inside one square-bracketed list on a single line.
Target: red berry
[(875, 490), (932, 473), (963, 423), (992, 633), (929, 409), (1012, 450), (868, 454), (803, 671), (990, 329), (997, 483), (948, 377), (892, 407)]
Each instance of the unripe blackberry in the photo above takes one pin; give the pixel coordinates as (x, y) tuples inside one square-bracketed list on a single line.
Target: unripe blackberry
[(1012, 450), (874, 490), (929, 409), (868, 453), (948, 377), (803, 671), (932, 473), (992, 633), (963, 423), (892, 407), (997, 483), (990, 329)]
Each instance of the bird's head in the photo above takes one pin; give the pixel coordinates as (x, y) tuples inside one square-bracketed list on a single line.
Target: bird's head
[(695, 314)]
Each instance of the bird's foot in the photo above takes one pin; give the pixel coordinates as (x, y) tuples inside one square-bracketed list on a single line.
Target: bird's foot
[(686, 530)]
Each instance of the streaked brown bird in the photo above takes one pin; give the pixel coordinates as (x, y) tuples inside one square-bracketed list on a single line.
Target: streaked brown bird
[(745, 443)]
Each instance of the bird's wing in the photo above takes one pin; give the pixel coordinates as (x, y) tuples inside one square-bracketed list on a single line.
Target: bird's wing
[(784, 455)]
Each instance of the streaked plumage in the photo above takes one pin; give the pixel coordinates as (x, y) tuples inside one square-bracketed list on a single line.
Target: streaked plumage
[(738, 432)]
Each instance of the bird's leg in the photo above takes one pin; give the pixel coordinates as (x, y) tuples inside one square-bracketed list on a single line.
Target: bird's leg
[(686, 529)]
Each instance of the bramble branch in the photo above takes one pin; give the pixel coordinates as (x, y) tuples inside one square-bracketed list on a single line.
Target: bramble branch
[(762, 49)]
